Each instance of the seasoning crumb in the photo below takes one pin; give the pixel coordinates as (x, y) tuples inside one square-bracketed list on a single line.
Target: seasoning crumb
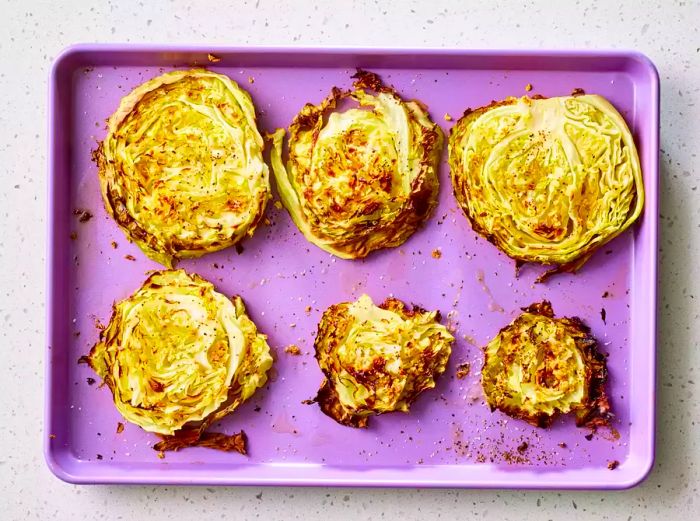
[(120, 427), (99, 456), (292, 350), (213, 58), (52, 436), (251, 79), (85, 359), (83, 215), (73, 236), (562, 445), (90, 380), (436, 253), (161, 454), (463, 370), (523, 447), (603, 315), (278, 205), (612, 465), (257, 408), (239, 249), (307, 310), (114, 244), (578, 91), (129, 257), (589, 436), (528, 87), (447, 117), (308, 401)]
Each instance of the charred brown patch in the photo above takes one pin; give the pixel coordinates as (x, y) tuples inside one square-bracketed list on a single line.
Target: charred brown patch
[(237, 442)]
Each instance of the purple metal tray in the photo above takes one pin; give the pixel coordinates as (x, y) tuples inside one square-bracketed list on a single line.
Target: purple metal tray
[(450, 438)]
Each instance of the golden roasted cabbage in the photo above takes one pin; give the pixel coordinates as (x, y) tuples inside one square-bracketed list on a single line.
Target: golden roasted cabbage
[(181, 168), (540, 366), (177, 355), (359, 179), (377, 359), (547, 180)]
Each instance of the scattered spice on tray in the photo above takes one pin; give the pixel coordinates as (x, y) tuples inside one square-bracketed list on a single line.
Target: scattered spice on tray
[(562, 445), (307, 310), (120, 427), (99, 456), (612, 465), (161, 454), (578, 91), (523, 447), (85, 359), (589, 436), (447, 117), (603, 314), (436, 253), (292, 350), (251, 79), (239, 249), (91, 380), (114, 244), (213, 58), (129, 257), (606, 294), (528, 87), (463, 370), (83, 215)]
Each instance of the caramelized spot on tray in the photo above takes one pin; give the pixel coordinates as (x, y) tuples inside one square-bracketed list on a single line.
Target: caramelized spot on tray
[(612, 465), (578, 91), (91, 380), (73, 236), (114, 244), (85, 359), (447, 117), (120, 427), (436, 253), (528, 87), (213, 58), (523, 447), (603, 314), (129, 257)]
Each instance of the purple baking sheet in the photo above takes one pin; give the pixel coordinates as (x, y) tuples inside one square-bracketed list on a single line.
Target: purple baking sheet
[(450, 438)]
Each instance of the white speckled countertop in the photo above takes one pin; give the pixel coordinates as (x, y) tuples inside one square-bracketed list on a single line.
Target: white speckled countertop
[(35, 31)]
